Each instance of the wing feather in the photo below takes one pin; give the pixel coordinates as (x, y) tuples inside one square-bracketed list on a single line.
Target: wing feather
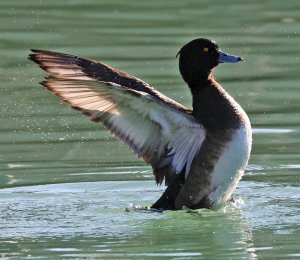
[(158, 130)]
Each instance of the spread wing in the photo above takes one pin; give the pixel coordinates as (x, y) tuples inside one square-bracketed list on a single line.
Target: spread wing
[(158, 129)]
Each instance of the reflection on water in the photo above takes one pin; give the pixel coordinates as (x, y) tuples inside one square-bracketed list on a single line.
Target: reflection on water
[(44, 142)]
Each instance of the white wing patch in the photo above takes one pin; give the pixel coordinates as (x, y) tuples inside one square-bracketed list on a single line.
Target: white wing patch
[(184, 139), (185, 145)]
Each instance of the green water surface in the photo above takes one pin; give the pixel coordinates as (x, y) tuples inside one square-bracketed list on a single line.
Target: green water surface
[(65, 182)]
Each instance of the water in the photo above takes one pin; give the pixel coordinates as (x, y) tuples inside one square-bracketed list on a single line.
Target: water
[(65, 182)]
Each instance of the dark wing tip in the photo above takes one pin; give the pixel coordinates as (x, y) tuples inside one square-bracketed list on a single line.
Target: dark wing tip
[(36, 50), (34, 56), (52, 53), (47, 60), (46, 85)]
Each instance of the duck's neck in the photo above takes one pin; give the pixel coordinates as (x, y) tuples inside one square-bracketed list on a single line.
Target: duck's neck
[(200, 90), (201, 83), (212, 106)]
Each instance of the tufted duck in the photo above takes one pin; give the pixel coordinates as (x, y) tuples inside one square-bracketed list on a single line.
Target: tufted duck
[(201, 153)]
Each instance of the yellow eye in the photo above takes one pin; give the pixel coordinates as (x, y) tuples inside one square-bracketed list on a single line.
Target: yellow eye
[(205, 49)]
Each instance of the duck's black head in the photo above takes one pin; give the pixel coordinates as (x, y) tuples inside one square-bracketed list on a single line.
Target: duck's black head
[(198, 58)]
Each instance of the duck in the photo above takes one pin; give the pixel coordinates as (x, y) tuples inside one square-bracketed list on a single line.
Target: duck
[(200, 153)]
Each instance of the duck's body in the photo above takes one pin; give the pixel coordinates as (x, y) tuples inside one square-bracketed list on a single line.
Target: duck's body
[(222, 159), (200, 153)]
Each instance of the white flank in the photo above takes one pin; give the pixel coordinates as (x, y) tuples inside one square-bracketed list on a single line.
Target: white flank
[(231, 166)]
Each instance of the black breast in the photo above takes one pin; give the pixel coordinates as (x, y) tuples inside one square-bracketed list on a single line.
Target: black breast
[(215, 109)]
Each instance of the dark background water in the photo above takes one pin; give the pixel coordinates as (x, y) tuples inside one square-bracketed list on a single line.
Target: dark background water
[(89, 178)]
